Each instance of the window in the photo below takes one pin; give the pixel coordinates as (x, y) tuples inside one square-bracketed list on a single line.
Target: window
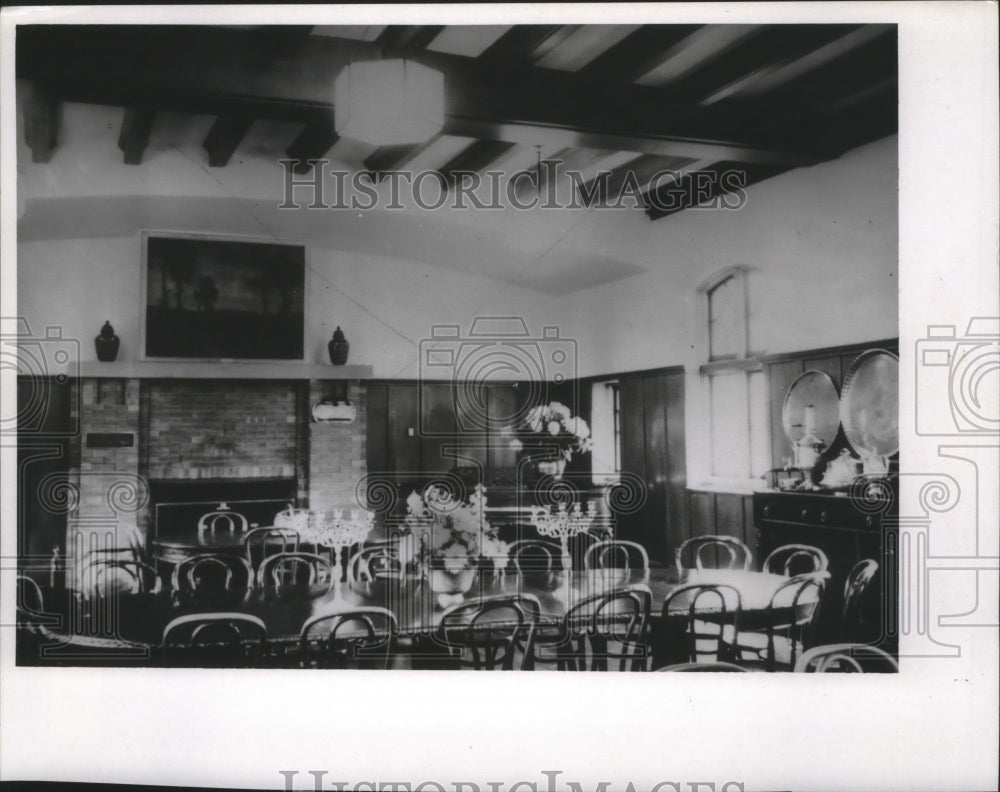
[(606, 431), (733, 381)]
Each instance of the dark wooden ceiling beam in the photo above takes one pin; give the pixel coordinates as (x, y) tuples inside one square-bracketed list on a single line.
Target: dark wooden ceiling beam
[(407, 39), (514, 104), (478, 156), (712, 186), (137, 126), (41, 125), (526, 43), (389, 159), (638, 171), (312, 144), (225, 135), (631, 57), (788, 113), (281, 41), (766, 47)]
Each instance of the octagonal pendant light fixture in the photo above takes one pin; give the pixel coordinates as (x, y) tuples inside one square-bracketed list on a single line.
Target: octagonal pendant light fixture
[(388, 102)]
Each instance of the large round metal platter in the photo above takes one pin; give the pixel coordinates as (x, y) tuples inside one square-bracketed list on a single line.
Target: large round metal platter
[(811, 399), (869, 404)]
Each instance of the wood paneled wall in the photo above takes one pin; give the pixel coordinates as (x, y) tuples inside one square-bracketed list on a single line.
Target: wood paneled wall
[(722, 514), (653, 449)]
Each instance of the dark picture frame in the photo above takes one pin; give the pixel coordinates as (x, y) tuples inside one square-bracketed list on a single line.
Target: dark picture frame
[(222, 298)]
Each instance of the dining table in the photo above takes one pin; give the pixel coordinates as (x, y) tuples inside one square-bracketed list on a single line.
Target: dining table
[(122, 624)]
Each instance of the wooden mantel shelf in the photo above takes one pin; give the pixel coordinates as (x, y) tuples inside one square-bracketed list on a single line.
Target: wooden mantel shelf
[(171, 369)]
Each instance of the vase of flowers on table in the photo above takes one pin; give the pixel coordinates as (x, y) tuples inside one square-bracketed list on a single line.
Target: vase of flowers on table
[(451, 540), (549, 435)]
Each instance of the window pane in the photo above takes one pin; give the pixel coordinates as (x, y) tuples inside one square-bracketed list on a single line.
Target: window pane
[(730, 430), (760, 452), (725, 319), (604, 452)]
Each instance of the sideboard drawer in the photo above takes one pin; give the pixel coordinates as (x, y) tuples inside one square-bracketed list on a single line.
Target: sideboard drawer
[(820, 510)]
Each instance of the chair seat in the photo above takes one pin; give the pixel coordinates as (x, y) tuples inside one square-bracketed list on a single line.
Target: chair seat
[(752, 647)]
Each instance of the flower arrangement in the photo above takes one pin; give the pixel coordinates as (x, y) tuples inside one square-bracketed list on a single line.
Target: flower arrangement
[(449, 534), (551, 430)]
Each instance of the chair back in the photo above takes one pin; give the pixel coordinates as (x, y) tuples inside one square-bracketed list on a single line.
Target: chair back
[(791, 610), (291, 575), (717, 552), (608, 626), (796, 559), (103, 576), (701, 622), (375, 561), (491, 633), (222, 520), (260, 543), (725, 667), (29, 617), (212, 577), (535, 558), (617, 556), (858, 580), (214, 640), (846, 658), (359, 638)]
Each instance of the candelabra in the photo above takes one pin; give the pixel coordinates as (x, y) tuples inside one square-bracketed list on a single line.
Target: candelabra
[(562, 525), (333, 530)]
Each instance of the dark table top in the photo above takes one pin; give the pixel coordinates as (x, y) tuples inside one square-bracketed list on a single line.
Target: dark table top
[(141, 618)]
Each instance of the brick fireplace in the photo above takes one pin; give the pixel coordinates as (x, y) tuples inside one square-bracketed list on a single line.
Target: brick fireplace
[(143, 442)]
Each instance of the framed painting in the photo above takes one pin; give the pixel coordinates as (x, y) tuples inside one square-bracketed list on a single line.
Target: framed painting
[(222, 299)]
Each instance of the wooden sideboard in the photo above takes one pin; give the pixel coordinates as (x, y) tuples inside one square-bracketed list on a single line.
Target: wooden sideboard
[(848, 530)]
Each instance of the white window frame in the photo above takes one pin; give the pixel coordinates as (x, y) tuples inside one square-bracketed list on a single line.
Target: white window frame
[(598, 477), (746, 361)]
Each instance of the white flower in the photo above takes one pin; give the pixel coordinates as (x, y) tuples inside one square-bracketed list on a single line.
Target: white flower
[(554, 427), (516, 444), (560, 409)]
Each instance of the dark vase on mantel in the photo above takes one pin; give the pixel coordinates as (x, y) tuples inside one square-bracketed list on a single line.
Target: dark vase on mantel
[(107, 344), (338, 347)]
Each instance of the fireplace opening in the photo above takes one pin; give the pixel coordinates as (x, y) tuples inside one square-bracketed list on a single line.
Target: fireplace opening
[(177, 505)]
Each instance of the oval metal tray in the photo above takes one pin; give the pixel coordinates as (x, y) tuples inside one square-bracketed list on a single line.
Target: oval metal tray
[(869, 403), (814, 389)]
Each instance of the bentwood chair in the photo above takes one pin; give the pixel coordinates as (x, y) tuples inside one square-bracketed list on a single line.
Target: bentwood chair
[(375, 561), (294, 575), (700, 623), (787, 618), (602, 632), (261, 543), (714, 552), (215, 578), (490, 633), (846, 658), (617, 557), (102, 577), (795, 559), (857, 583), (360, 638), (30, 621), (535, 558), (214, 640), (723, 667)]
